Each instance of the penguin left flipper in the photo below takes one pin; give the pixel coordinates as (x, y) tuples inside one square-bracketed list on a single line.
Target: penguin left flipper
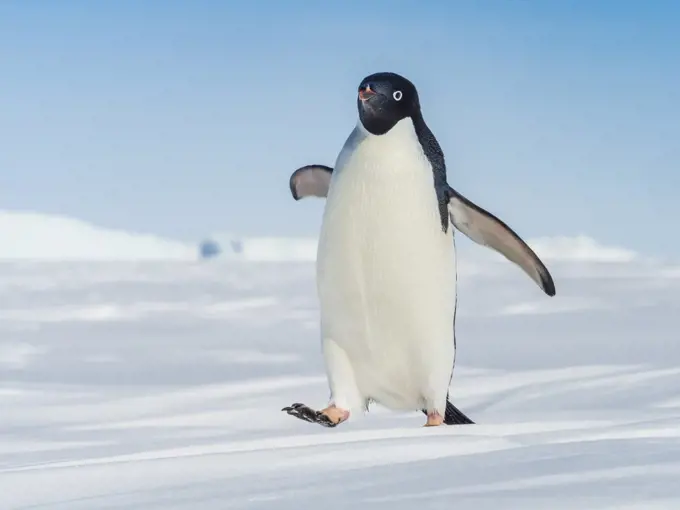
[(310, 180), (486, 229)]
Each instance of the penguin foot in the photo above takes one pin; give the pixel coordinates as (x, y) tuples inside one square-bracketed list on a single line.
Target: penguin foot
[(329, 417), (434, 419)]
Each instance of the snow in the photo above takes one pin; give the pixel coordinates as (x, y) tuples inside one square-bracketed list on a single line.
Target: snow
[(158, 385), (37, 236), (44, 237), (262, 249)]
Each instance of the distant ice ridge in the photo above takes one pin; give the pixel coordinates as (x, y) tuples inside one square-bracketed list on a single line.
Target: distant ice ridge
[(36, 236), (259, 249), (43, 237), (561, 248)]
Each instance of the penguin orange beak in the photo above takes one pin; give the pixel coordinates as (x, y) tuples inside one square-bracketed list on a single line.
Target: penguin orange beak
[(366, 93)]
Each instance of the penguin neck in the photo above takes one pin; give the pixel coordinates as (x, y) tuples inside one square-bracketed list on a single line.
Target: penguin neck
[(411, 124), (406, 130), (401, 141), (420, 126)]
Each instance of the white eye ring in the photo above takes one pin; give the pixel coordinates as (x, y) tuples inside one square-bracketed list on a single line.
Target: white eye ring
[(397, 95)]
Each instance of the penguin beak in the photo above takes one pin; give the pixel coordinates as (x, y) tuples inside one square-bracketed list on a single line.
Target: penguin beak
[(365, 93)]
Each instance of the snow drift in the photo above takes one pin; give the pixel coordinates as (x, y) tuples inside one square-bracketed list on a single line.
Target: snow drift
[(35, 236)]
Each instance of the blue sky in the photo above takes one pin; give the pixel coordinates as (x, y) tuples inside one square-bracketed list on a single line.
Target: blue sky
[(182, 118)]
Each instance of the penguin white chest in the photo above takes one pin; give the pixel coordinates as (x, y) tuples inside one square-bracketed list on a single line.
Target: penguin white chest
[(386, 272)]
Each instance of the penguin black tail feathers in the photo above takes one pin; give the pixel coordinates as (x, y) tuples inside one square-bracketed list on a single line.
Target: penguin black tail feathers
[(455, 416)]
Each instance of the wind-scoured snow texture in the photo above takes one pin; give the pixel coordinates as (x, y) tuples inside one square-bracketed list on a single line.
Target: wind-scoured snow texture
[(159, 386), (35, 236)]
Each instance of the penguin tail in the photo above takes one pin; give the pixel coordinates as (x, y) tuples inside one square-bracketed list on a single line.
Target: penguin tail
[(455, 416)]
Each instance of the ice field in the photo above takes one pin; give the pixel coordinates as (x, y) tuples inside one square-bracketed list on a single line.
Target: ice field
[(158, 385)]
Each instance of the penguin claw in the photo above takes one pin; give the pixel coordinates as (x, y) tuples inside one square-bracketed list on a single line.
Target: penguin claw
[(306, 413)]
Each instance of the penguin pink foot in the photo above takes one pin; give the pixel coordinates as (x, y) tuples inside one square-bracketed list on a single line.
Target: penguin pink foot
[(434, 419), (329, 417)]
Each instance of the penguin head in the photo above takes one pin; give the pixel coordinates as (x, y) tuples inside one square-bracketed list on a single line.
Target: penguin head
[(384, 99)]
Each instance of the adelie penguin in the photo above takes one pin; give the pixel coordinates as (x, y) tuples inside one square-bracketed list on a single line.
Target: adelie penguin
[(386, 271)]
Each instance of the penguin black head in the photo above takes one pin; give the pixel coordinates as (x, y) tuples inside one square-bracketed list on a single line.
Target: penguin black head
[(384, 99)]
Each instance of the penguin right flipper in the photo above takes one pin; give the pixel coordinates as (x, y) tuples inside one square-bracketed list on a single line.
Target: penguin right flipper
[(486, 229), (310, 181)]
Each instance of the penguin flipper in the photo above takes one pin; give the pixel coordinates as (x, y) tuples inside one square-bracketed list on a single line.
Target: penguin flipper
[(310, 181), (486, 229)]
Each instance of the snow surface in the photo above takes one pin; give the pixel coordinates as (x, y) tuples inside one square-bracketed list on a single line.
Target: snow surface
[(158, 385)]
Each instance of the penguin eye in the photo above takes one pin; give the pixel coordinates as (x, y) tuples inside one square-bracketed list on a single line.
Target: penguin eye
[(397, 95)]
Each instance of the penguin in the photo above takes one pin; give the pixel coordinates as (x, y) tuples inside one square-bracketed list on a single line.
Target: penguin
[(386, 261)]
